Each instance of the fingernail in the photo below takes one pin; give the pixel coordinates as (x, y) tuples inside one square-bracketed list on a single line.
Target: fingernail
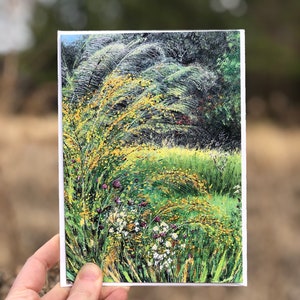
[(89, 272)]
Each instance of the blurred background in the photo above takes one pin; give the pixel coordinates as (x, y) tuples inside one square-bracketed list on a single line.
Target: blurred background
[(28, 118)]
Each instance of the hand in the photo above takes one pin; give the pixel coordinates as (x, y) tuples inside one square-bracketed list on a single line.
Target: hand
[(88, 283)]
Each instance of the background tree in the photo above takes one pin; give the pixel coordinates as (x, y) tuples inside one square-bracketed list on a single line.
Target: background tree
[(15, 36)]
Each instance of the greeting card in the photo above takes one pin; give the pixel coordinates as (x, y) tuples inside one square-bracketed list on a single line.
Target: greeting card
[(152, 156)]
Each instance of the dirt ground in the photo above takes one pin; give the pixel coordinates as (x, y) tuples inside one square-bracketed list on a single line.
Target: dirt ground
[(29, 209)]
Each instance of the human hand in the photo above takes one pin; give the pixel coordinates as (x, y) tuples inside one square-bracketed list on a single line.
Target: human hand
[(87, 285)]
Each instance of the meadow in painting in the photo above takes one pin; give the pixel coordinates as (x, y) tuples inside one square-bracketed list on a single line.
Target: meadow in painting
[(152, 155)]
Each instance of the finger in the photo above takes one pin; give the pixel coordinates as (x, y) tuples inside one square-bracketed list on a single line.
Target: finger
[(87, 285), (57, 293), (112, 293), (33, 274)]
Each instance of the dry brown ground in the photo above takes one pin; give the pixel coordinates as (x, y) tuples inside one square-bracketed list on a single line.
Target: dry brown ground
[(29, 208)]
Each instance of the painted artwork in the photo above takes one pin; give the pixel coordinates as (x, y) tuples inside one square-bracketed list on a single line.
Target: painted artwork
[(152, 156)]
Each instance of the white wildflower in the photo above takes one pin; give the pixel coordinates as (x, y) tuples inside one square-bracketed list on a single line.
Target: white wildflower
[(154, 247), (156, 256), (165, 226), (155, 229), (174, 236), (159, 240), (168, 244)]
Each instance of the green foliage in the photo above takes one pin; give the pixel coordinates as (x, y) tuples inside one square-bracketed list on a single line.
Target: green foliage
[(192, 91), (229, 64), (222, 114), (221, 170)]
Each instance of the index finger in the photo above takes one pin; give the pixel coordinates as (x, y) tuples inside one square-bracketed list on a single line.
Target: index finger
[(33, 274)]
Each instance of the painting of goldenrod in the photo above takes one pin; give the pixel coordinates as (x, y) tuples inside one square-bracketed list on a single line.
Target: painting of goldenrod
[(152, 160)]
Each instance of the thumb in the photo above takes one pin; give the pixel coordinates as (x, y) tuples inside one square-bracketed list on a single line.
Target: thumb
[(88, 283)]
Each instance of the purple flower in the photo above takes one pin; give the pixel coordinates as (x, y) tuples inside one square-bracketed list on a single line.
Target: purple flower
[(116, 184), (162, 234), (143, 224), (157, 219), (104, 186), (143, 204), (99, 210), (156, 236), (118, 200), (101, 227), (173, 226)]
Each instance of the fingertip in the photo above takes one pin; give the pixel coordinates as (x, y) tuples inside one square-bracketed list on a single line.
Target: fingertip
[(87, 284), (90, 272)]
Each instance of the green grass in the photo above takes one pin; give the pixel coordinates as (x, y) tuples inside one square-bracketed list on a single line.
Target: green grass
[(203, 225), (220, 170)]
